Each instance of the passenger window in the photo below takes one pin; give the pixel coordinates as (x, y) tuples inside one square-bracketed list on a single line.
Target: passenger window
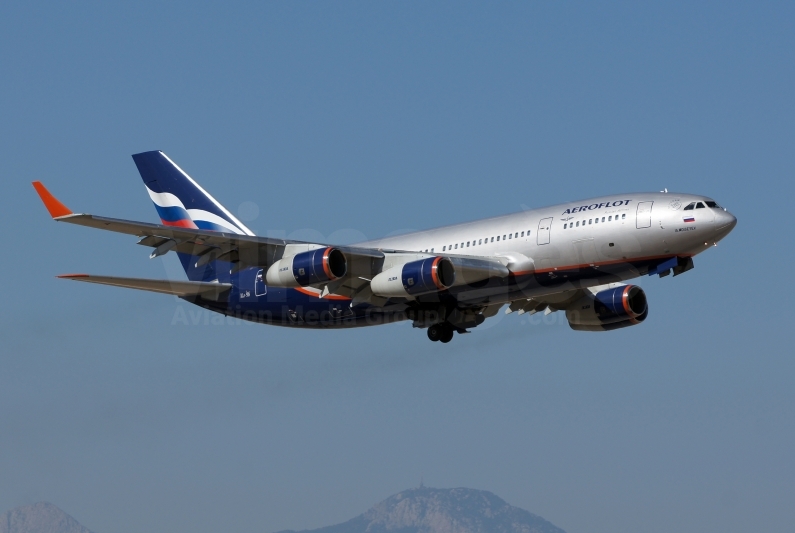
[(510, 235), (578, 223), (456, 247), (492, 239), (431, 250), (603, 219), (564, 226), (589, 221), (610, 218), (467, 244), (444, 248), (699, 205), (498, 238), (624, 215), (480, 241), (503, 237), (523, 234), (596, 221), (690, 206)]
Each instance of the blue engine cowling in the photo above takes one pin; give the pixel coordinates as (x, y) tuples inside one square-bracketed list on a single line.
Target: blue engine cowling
[(609, 309), (308, 268), (433, 274), (427, 275), (319, 266)]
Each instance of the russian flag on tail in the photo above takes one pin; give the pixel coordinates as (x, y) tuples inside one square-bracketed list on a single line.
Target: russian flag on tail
[(179, 200)]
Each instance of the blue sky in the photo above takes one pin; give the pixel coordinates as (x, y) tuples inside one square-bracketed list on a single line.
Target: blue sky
[(355, 120)]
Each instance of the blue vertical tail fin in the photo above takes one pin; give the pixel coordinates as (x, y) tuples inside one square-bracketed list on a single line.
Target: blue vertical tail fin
[(179, 200), (182, 202)]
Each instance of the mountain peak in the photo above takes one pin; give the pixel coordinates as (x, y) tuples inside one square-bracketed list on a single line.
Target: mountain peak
[(429, 510), (42, 517)]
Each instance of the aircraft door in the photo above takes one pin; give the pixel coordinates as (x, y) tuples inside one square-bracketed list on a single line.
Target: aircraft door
[(643, 219), (260, 289), (543, 230)]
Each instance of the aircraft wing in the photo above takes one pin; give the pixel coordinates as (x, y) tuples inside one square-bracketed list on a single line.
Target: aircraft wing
[(209, 291), (548, 303), (244, 250)]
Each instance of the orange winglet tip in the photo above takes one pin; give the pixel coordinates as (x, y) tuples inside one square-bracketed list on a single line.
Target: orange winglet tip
[(70, 276), (53, 205)]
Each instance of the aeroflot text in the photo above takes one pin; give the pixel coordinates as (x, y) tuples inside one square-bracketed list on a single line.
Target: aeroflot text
[(596, 206)]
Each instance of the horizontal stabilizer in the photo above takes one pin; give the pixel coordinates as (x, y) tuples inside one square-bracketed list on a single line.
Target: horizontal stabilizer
[(208, 291)]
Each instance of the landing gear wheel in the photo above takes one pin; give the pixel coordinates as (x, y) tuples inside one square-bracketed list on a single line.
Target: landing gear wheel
[(447, 335), (435, 332)]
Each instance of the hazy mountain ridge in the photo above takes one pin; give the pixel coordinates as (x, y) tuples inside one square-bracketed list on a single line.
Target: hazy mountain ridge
[(422, 510), (427, 510), (40, 517)]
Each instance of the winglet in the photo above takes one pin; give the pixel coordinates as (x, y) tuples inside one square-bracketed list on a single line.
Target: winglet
[(55, 207), (72, 276)]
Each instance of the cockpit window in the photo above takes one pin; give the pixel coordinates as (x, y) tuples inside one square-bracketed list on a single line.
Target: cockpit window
[(690, 206), (713, 204), (700, 205)]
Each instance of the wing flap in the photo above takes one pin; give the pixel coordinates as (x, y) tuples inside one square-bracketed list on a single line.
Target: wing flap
[(209, 291)]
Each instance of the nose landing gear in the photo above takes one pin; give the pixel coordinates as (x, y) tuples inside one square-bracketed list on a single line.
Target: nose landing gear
[(441, 332)]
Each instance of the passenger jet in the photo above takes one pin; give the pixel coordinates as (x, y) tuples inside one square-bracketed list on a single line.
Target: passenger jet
[(573, 257)]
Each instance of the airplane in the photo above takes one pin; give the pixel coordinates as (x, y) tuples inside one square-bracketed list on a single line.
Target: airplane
[(572, 257)]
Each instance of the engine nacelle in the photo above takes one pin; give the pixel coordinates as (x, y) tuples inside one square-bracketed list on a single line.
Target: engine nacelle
[(416, 278), (608, 309), (308, 268)]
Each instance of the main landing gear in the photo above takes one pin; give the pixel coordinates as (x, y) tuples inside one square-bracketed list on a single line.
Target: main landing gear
[(441, 332)]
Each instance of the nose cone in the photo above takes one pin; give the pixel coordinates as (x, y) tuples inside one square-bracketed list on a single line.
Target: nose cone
[(724, 224)]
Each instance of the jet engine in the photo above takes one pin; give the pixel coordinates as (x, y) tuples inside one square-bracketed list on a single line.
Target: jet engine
[(308, 268), (432, 274), (613, 308)]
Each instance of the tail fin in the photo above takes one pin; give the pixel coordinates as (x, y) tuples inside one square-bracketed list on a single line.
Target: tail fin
[(182, 202), (179, 200)]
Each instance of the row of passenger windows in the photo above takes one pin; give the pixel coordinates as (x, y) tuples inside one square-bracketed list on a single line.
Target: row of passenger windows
[(700, 205), (592, 221), (479, 242), (569, 225)]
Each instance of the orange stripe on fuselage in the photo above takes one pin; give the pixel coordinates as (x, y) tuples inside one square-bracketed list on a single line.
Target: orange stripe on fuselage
[(595, 264), (317, 295)]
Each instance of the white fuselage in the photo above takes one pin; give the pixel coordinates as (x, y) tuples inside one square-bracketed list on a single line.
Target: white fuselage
[(613, 233)]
